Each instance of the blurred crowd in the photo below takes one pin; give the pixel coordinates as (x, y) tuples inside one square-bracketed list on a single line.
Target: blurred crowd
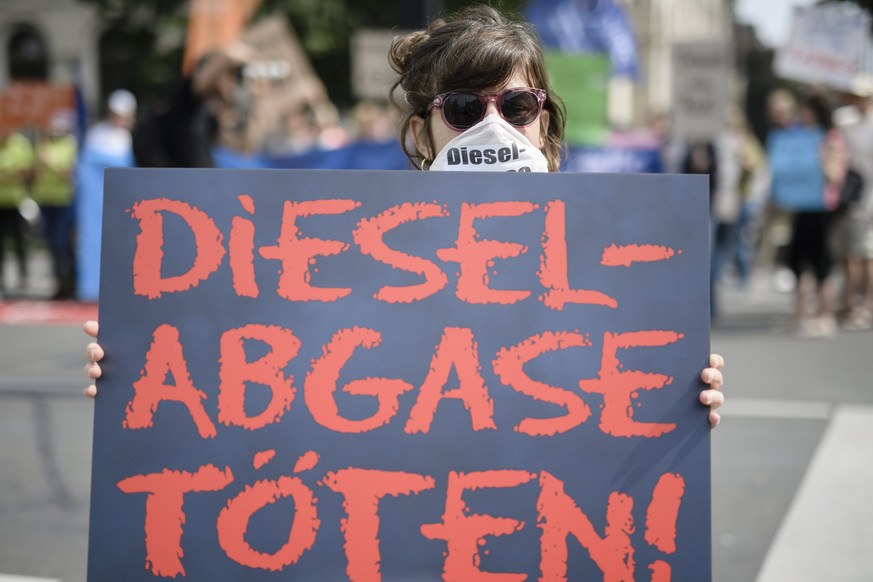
[(51, 181), (798, 204)]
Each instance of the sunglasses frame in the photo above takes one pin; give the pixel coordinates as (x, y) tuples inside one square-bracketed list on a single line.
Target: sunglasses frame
[(484, 99)]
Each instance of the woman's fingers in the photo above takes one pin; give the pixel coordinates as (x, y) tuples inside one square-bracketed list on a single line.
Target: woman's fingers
[(93, 370), (714, 419), (713, 377), (91, 327), (94, 352), (716, 361), (712, 398)]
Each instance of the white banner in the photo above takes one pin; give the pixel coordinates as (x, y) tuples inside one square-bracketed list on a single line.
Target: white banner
[(372, 75), (826, 45)]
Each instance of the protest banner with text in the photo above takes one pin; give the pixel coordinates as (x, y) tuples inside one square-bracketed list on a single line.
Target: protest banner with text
[(350, 375)]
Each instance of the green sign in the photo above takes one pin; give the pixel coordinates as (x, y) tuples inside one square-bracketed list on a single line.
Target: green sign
[(581, 80)]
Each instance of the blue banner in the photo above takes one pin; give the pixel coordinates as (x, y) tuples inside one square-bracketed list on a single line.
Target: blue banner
[(614, 159), (794, 155), (599, 26), (401, 376), (357, 156), (389, 156)]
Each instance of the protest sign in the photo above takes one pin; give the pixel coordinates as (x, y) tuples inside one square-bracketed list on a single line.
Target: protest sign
[(826, 45), (582, 81), (401, 376), (371, 71), (794, 155), (701, 72), (32, 104)]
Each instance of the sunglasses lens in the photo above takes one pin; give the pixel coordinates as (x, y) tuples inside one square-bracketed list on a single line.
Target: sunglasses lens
[(463, 110), (520, 107)]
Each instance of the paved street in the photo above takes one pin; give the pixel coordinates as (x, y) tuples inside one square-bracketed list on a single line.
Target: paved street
[(791, 462)]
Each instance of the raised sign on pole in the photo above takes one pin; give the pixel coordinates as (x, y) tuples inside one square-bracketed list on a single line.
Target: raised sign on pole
[(826, 45), (701, 73)]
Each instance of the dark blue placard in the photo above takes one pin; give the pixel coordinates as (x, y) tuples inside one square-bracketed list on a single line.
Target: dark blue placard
[(441, 495)]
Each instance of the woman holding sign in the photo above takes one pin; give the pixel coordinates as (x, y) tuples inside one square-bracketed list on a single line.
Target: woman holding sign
[(476, 98)]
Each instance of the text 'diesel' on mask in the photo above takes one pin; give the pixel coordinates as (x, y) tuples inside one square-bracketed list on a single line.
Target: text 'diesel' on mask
[(491, 145)]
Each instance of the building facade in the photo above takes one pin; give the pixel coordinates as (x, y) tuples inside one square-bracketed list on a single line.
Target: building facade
[(56, 41), (659, 26)]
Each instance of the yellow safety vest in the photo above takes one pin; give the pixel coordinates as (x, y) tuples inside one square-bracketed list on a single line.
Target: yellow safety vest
[(16, 159), (53, 183)]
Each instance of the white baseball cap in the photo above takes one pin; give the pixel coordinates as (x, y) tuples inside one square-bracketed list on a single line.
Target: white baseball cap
[(862, 85), (122, 103)]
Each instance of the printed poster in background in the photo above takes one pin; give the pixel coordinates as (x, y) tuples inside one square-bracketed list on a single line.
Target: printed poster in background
[(401, 376), (32, 104), (582, 81), (825, 46), (371, 72), (700, 89)]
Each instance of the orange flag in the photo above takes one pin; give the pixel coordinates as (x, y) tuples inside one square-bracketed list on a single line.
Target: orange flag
[(213, 24)]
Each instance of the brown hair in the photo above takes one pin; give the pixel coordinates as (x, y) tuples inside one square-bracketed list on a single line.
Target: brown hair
[(474, 50)]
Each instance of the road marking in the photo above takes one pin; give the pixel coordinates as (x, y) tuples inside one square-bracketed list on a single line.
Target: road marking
[(828, 533), (46, 313), (780, 409), (10, 578), (41, 386)]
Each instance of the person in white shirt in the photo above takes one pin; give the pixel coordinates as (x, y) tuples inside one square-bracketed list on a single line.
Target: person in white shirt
[(855, 234)]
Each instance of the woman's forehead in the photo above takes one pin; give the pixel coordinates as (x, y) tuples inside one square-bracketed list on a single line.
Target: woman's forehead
[(515, 79)]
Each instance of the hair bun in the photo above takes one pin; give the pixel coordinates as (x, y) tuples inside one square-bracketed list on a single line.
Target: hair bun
[(403, 47)]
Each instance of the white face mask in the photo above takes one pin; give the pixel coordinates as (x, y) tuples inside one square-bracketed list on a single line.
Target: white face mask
[(492, 145)]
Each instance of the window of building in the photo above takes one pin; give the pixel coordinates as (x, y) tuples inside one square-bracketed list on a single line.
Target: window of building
[(27, 54)]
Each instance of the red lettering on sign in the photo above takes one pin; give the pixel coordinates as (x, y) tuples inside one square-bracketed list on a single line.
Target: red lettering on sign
[(321, 384), (464, 532), (235, 372), (619, 388), (149, 255), (663, 512), (261, 458), (475, 256), (242, 251), (553, 265), (457, 348), (559, 516), (164, 515), (165, 355), (306, 462), (626, 255), (233, 522), (369, 236), (298, 253), (509, 367), (362, 490), (661, 571)]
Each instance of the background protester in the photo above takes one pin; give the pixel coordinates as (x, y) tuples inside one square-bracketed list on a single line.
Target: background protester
[(700, 158), (53, 189), (855, 227), (180, 129), (808, 160), (16, 172), (107, 144), (741, 189)]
